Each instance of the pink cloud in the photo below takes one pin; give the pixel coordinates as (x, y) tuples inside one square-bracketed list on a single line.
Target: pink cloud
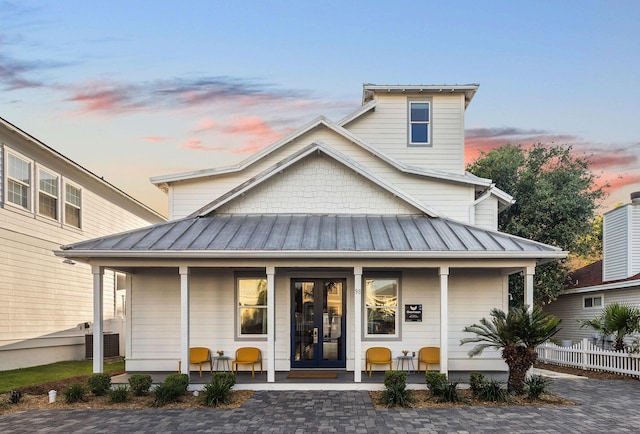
[(196, 145), (153, 139), (206, 125)]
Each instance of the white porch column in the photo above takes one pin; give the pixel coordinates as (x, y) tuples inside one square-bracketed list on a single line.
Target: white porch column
[(98, 326), (357, 329), (271, 325), (128, 317), (528, 287), (444, 320), (184, 320)]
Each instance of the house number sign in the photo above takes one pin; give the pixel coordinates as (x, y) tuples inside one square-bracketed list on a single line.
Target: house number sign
[(413, 313)]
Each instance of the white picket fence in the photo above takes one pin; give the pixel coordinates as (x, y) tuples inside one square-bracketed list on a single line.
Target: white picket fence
[(585, 355)]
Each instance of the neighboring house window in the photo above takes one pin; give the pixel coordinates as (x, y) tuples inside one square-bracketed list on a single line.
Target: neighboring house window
[(419, 122), (72, 206), (592, 302), (18, 181), (381, 306), (252, 306), (48, 194)]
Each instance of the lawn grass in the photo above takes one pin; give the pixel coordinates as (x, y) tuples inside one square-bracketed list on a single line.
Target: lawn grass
[(17, 378)]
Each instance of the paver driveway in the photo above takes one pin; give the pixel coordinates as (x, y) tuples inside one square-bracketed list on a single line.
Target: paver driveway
[(605, 406)]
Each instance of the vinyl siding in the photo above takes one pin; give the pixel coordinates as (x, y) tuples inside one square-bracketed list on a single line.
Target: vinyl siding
[(40, 296), (616, 247), (486, 214), (386, 128), (569, 308), (155, 316)]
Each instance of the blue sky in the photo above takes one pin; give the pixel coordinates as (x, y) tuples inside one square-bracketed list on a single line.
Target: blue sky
[(137, 89)]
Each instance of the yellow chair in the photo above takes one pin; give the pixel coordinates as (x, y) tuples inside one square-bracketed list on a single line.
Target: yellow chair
[(247, 356), (198, 356), (378, 356), (428, 355)]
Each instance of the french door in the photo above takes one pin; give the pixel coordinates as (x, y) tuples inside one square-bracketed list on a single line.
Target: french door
[(318, 323)]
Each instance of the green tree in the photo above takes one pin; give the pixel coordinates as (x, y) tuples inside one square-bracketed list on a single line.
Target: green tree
[(516, 334), (556, 198), (616, 319)]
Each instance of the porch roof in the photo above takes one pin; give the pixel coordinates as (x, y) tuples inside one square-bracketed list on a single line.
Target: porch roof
[(312, 235)]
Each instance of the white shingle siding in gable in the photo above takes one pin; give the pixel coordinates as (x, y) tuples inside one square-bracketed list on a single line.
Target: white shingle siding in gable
[(635, 239), (386, 129), (318, 185), (449, 199)]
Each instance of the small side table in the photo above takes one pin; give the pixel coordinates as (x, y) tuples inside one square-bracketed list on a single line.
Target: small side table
[(409, 360), (222, 362)]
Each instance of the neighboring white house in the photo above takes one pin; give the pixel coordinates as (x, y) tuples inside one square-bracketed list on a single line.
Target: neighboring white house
[(45, 200), (339, 237), (614, 279)]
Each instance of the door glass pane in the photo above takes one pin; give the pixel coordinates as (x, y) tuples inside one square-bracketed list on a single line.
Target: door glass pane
[(332, 321), (304, 306)]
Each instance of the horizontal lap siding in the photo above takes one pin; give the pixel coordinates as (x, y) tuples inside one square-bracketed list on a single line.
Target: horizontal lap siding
[(616, 244), (570, 308), (40, 294), (486, 214), (472, 295), (386, 129)]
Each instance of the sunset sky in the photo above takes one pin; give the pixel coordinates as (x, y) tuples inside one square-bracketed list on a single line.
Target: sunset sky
[(135, 89)]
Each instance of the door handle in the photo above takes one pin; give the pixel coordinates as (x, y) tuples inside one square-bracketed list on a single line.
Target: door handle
[(315, 335)]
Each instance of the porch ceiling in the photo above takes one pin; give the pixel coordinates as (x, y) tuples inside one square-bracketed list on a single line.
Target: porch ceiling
[(311, 234)]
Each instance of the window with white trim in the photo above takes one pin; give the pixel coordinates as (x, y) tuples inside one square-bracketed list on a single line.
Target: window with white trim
[(48, 194), (18, 181), (594, 302), (72, 205), (419, 123), (251, 306), (381, 306)]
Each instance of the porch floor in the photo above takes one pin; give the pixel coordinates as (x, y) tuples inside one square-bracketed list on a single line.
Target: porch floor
[(344, 380)]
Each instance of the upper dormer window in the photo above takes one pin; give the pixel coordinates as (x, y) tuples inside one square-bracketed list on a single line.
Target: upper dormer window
[(419, 123)]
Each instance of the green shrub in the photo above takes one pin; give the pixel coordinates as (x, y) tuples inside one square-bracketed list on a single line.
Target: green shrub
[(477, 380), (218, 391), (178, 380), (436, 381), (448, 392), (140, 384), (492, 391), (166, 393), (396, 392), (536, 386), (119, 394), (74, 393), (15, 396), (99, 384)]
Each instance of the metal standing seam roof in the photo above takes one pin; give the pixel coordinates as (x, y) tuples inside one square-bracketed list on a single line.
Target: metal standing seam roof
[(311, 232)]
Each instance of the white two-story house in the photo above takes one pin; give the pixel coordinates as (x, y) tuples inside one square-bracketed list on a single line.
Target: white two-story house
[(342, 236), (46, 304)]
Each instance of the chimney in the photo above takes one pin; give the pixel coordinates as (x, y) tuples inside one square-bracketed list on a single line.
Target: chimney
[(635, 198)]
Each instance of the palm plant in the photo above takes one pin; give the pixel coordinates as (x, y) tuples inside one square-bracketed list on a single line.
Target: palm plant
[(516, 334), (616, 319)]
